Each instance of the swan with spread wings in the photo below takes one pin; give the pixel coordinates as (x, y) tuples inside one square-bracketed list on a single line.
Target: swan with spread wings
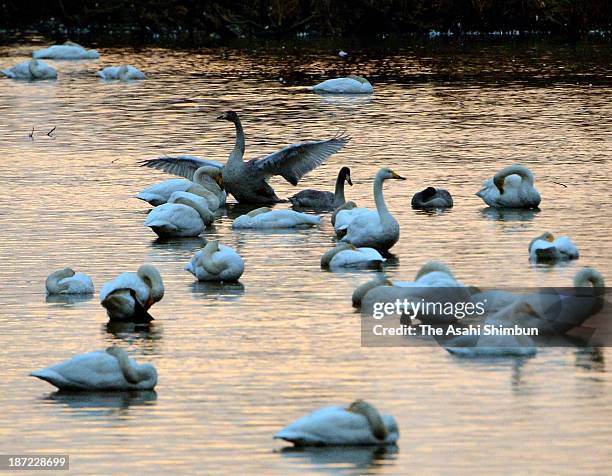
[(248, 181)]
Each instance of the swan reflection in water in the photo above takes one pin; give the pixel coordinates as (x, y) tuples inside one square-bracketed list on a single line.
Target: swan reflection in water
[(330, 458), (214, 290), (147, 336), (97, 404), (63, 300), (509, 214)]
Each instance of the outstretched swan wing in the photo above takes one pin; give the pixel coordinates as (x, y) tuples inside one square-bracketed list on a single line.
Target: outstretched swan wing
[(295, 161), (181, 165)]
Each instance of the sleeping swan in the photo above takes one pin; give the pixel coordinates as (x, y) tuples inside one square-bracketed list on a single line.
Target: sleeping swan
[(358, 425), (432, 197), (548, 248), (511, 187), (378, 229), (344, 255), (129, 296), (67, 51), (30, 71), (66, 281), (122, 73), (216, 263), (108, 370), (350, 85), (265, 217), (184, 215), (207, 182)]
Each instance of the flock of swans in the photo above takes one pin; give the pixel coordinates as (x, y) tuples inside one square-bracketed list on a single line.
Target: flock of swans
[(186, 206)]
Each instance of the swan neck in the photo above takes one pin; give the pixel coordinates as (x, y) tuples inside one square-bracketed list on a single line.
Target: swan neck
[(339, 191), (154, 282), (205, 213), (329, 254), (129, 372), (379, 199), (53, 284), (523, 172), (207, 261), (240, 144)]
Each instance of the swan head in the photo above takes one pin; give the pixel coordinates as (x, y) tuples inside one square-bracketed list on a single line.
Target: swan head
[(428, 193), (345, 174), (587, 277), (214, 173), (228, 116), (363, 289), (514, 169), (431, 267), (386, 173), (150, 275), (52, 283), (377, 426)]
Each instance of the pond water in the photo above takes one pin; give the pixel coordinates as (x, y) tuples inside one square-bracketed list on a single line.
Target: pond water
[(238, 362)]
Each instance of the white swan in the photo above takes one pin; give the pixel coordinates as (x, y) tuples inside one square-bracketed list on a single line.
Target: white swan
[(548, 248), (30, 71), (66, 281), (343, 216), (499, 345), (67, 51), (129, 296), (378, 229), (265, 217), (344, 255), (107, 370), (122, 73), (350, 85), (511, 187), (216, 263), (184, 215), (207, 182), (357, 425)]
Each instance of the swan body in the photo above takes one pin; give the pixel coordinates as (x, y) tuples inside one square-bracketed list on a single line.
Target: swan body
[(109, 370), (317, 199), (121, 73), (548, 248), (129, 296), (349, 85), (375, 230), (67, 51), (432, 198), (184, 215), (347, 256), (66, 281), (267, 218), (207, 182), (30, 71), (511, 187), (363, 289), (216, 263), (336, 426), (343, 216), (248, 181)]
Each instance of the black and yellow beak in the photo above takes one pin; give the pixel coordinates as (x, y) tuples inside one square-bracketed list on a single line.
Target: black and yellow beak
[(397, 176)]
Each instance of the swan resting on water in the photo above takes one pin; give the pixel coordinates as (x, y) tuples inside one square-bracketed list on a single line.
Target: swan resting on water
[(317, 199), (184, 215), (511, 187), (124, 72), (67, 51), (432, 197), (359, 424), (350, 85), (66, 281), (129, 296), (248, 181), (344, 255), (379, 229), (108, 370), (267, 218), (30, 71), (548, 248), (216, 263)]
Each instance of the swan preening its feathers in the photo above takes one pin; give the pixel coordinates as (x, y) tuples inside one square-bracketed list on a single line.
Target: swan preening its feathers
[(548, 248), (129, 296), (67, 51), (185, 214), (216, 263), (248, 181), (266, 218), (511, 187), (317, 199), (30, 71), (359, 424), (122, 73), (432, 197), (350, 85), (377, 229), (66, 281), (345, 255), (109, 370)]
